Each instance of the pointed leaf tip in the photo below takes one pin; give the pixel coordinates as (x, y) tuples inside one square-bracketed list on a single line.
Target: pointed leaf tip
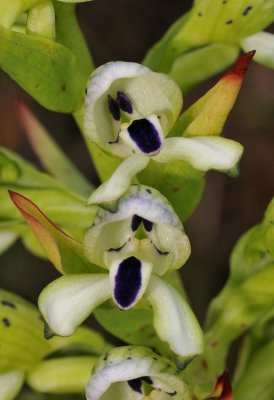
[(223, 387), (241, 65)]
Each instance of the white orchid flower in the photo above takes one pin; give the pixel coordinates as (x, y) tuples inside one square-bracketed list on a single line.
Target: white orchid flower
[(137, 244), (135, 373), (129, 113)]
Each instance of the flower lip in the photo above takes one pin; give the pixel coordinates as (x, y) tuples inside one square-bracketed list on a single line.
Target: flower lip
[(128, 281), (145, 135)]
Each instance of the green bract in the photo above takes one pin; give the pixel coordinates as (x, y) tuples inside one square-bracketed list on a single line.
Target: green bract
[(136, 373), (129, 112), (138, 243)]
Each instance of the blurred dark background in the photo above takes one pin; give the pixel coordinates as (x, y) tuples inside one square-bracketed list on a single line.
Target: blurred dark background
[(124, 30)]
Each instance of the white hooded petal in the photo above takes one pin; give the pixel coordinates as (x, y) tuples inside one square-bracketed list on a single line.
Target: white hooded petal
[(10, 384), (67, 302), (173, 319), (130, 365), (203, 152)]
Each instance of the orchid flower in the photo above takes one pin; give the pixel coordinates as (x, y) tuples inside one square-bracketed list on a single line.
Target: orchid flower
[(129, 112), (136, 373), (136, 245)]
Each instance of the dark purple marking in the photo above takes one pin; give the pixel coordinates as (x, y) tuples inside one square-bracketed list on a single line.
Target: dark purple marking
[(162, 253), (128, 281), (148, 191), (8, 304), (200, 14), (124, 103), (6, 322), (136, 221), (118, 248), (145, 135), (114, 108), (171, 394), (246, 11), (147, 379), (229, 22), (136, 385)]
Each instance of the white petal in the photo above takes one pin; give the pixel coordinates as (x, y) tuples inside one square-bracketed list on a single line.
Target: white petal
[(120, 181), (263, 42), (131, 362), (202, 152), (10, 384), (173, 319), (67, 302), (7, 238)]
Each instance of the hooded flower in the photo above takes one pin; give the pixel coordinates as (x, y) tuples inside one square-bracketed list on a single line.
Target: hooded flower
[(136, 245), (129, 112), (137, 373)]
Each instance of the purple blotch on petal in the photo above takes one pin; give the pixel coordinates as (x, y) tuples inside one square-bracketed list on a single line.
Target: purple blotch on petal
[(145, 135), (114, 108), (136, 385), (136, 221), (124, 103), (128, 282), (147, 379)]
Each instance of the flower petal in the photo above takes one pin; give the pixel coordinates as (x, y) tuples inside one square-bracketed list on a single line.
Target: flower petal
[(66, 302), (173, 319), (203, 153), (128, 364), (263, 42), (144, 135), (10, 384), (119, 182), (129, 278)]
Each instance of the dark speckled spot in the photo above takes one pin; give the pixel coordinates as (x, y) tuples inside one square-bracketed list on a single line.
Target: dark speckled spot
[(148, 191), (136, 221), (246, 11), (171, 394), (229, 22), (200, 14), (106, 357), (136, 385), (8, 304), (6, 322)]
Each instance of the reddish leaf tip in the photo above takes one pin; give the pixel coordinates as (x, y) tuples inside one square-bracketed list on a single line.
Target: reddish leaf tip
[(223, 386), (241, 65)]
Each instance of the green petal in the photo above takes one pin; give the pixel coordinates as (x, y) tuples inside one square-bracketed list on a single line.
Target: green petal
[(203, 153), (41, 20), (10, 384), (115, 187), (68, 301), (263, 42), (63, 375), (132, 362), (173, 319)]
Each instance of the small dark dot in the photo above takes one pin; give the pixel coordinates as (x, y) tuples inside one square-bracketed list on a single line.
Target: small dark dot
[(224, 1), (129, 358), (8, 304), (6, 322), (106, 357), (246, 11), (149, 191), (200, 14), (229, 22), (154, 358), (86, 91)]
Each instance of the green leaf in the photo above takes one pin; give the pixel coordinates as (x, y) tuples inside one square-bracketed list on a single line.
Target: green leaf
[(46, 70), (133, 326), (52, 157), (268, 229)]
